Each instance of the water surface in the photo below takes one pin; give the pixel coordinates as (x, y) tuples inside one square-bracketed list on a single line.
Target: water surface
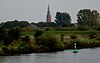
[(67, 56)]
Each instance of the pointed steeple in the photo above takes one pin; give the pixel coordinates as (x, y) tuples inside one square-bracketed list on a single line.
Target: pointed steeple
[(48, 12), (48, 17)]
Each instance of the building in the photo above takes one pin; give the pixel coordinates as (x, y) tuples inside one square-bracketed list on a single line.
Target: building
[(48, 17)]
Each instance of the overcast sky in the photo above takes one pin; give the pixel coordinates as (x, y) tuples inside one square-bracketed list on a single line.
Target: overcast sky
[(35, 10)]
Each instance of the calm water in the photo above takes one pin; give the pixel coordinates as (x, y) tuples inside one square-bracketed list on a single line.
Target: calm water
[(84, 56)]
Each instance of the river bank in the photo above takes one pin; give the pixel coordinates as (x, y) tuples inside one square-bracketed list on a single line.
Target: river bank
[(50, 43)]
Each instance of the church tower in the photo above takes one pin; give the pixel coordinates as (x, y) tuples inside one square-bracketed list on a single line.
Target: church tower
[(48, 17)]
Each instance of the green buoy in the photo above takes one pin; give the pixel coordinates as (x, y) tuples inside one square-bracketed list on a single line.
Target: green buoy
[(75, 50)]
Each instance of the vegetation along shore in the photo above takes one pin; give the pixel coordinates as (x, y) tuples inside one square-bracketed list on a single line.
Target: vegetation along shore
[(22, 37), (16, 42)]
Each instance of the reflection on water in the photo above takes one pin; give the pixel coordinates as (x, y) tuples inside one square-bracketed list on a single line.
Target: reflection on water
[(67, 56)]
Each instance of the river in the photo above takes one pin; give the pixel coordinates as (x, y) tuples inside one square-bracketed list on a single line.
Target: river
[(67, 56)]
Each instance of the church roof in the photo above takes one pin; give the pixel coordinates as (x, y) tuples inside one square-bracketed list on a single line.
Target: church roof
[(48, 12)]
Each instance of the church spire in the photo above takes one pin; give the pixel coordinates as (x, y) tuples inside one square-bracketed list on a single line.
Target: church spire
[(48, 12), (48, 17)]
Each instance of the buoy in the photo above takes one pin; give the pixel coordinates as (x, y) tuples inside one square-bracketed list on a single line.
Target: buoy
[(75, 50)]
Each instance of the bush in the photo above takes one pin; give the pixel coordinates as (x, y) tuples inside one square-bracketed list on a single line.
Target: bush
[(34, 48), (86, 43), (52, 42), (26, 39), (92, 34), (49, 29), (83, 28), (73, 36), (15, 33), (24, 49), (38, 33), (1, 52), (13, 50), (68, 45), (5, 50)]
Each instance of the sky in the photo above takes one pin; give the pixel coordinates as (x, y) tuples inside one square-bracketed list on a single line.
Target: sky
[(36, 10)]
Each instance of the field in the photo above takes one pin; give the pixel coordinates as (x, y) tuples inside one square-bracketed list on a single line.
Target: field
[(65, 32)]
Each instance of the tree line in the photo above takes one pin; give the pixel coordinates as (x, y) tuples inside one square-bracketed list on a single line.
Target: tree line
[(85, 18), (14, 24)]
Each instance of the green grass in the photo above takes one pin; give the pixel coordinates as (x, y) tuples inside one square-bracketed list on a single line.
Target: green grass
[(86, 40), (73, 32), (64, 32), (27, 33)]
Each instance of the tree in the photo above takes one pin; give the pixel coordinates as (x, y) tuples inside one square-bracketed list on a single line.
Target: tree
[(10, 24), (2, 33), (63, 19), (14, 24), (88, 18), (45, 24), (7, 40), (40, 24), (15, 33), (23, 24), (4, 37)]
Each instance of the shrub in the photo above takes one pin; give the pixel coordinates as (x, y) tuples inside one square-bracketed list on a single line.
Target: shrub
[(92, 34), (5, 50), (48, 29), (7, 40), (13, 50), (83, 28), (15, 33), (86, 43), (50, 41), (38, 33), (24, 49), (2, 33), (1, 52), (26, 39), (62, 37), (34, 48), (73, 36), (98, 37), (68, 45)]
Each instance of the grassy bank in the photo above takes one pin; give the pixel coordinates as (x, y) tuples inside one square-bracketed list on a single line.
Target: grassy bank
[(65, 32), (51, 41)]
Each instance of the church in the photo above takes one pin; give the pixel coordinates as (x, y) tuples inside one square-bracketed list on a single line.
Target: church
[(48, 16)]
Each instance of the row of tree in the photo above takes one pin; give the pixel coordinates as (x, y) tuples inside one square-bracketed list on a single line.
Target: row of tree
[(85, 18), (14, 24)]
